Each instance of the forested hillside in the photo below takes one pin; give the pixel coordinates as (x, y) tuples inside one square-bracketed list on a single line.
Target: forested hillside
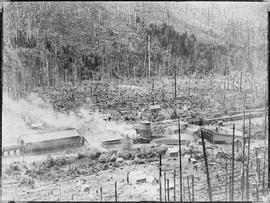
[(50, 43)]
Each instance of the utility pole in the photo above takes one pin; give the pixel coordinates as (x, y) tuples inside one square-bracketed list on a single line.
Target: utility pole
[(168, 189), (265, 138), (180, 160), (149, 60), (233, 164), (174, 186), (243, 162), (226, 183), (153, 91), (192, 188), (160, 170), (247, 175), (206, 166), (258, 174), (175, 94), (165, 186)]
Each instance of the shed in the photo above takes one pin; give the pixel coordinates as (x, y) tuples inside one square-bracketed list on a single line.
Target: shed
[(172, 152), (237, 144), (155, 181), (194, 161), (119, 160), (155, 108)]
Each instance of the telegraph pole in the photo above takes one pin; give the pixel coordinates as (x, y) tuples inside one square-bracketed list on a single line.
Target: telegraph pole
[(175, 94), (180, 161), (165, 186), (174, 185), (160, 170), (226, 183), (243, 162), (247, 175), (206, 166), (265, 138), (258, 174), (168, 189), (192, 188), (233, 164)]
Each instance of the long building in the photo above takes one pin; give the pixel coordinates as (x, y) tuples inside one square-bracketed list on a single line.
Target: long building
[(45, 142), (220, 135)]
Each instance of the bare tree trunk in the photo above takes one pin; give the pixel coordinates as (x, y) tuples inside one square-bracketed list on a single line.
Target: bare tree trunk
[(47, 71), (74, 73), (149, 59)]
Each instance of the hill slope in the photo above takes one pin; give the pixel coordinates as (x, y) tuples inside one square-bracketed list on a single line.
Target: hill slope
[(48, 43)]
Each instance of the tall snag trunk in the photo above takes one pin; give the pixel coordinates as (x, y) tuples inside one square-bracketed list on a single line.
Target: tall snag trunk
[(74, 70), (149, 59), (47, 72)]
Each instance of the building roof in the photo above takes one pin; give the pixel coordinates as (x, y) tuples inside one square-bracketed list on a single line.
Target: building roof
[(155, 107), (144, 125), (224, 131), (237, 140), (51, 135), (184, 136), (173, 150), (175, 127), (145, 122)]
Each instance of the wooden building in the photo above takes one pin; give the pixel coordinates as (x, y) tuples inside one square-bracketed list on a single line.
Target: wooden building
[(220, 135), (143, 128), (45, 142)]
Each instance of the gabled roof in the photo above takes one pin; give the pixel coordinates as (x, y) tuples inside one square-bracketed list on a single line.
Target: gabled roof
[(51, 135), (154, 107), (173, 150)]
